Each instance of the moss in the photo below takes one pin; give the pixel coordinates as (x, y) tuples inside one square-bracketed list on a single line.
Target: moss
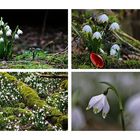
[(63, 120), (11, 118), (8, 111), (20, 105), (29, 95)]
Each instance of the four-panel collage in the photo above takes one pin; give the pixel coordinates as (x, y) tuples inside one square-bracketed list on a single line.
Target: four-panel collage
[(40, 91)]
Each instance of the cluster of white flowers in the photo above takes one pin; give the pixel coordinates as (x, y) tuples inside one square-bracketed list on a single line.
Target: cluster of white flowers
[(101, 19), (5, 30), (8, 92)]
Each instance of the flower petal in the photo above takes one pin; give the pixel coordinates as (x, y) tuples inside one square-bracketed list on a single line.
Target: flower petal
[(106, 108), (94, 100), (99, 105)]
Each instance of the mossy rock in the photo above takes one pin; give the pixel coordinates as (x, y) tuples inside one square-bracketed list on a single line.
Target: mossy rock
[(29, 95), (9, 111), (63, 120)]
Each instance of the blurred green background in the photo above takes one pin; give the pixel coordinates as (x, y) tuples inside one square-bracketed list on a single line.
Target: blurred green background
[(86, 85)]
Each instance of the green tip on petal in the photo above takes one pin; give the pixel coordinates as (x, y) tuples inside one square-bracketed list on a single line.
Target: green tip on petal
[(104, 115), (87, 108), (96, 110)]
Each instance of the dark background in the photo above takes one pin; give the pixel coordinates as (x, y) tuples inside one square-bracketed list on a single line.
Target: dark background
[(54, 18)]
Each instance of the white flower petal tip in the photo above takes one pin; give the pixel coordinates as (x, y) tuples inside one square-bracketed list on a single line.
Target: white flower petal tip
[(88, 108), (87, 29), (19, 32), (99, 103), (114, 26), (97, 35), (102, 18)]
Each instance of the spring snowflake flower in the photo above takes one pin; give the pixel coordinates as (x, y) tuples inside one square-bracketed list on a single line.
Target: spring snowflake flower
[(87, 29), (19, 32), (113, 52), (99, 103), (8, 33), (103, 18), (116, 47), (7, 28), (1, 23), (97, 35), (1, 32), (1, 39), (16, 36), (114, 26)]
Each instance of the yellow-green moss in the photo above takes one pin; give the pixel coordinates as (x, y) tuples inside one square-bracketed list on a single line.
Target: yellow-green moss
[(29, 95)]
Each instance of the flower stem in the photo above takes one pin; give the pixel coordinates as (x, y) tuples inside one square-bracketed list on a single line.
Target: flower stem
[(120, 103)]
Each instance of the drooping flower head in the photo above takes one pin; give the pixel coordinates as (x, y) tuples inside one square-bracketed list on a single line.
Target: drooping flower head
[(87, 29), (114, 26), (97, 35), (114, 50), (102, 18), (99, 103)]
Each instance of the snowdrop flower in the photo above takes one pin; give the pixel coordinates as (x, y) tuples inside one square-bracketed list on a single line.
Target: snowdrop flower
[(97, 35), (116, 47), (16, 36), (99, 103), (113, 52), (1, 23), (8, 33), (19, 32), (1, 39), (87, 29), (1, 32), (103, 18), (7, 28), (114, 26)]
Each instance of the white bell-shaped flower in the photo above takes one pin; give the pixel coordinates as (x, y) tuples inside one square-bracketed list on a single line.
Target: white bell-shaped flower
[(87, 29), (114, 26), (102, 18), (1, 39), (9, 32), (97, 35), (7, 28), (1, 23), (1, 32), (113, 52), (16, 36), (99, 103), (116, 47), (19, 32)]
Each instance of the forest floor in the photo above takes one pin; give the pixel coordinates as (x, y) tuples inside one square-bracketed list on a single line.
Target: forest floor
[(37, 50)]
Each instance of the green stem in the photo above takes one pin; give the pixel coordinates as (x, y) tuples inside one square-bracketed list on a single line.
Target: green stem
[(120, 103)]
